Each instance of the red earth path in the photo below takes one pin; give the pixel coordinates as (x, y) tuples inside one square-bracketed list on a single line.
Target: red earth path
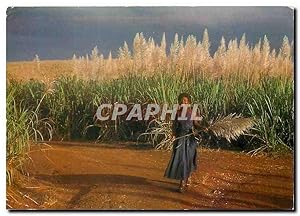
[(125, 176)]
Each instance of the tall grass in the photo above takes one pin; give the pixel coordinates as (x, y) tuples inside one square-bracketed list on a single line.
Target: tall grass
[(189, 57), (73, 104), (273, 107), (17, 136), (25, 122)]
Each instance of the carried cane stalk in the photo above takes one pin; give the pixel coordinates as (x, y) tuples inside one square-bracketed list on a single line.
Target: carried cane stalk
[(229, 127)]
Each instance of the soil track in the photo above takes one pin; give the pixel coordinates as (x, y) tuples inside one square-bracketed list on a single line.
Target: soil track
[(126, 176)]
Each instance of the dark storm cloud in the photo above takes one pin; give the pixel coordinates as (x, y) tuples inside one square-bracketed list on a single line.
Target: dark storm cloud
[(59, 32)]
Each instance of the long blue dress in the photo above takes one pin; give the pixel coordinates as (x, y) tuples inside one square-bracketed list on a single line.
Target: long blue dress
[(184, 155)]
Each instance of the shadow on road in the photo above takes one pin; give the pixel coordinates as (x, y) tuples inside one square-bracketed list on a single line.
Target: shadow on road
[(93, 179)]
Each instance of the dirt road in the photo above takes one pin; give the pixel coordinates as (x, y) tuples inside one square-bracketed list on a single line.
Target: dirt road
[(124, 176)]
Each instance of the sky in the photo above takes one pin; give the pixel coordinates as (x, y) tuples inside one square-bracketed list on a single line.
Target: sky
[(60, 32)]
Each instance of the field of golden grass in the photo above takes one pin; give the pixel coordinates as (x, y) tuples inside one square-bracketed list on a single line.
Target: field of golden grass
[(189, 59), (47, 70)]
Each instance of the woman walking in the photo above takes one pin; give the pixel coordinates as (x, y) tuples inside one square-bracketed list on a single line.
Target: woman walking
[(184, 156)]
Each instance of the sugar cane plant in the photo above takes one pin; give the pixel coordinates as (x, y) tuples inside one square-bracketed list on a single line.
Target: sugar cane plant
[(230, 127)]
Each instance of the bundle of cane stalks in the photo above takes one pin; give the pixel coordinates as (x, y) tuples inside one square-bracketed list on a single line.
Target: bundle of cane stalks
[(230, 127)]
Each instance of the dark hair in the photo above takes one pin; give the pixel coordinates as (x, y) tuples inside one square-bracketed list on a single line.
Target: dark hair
[(182, 95)]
